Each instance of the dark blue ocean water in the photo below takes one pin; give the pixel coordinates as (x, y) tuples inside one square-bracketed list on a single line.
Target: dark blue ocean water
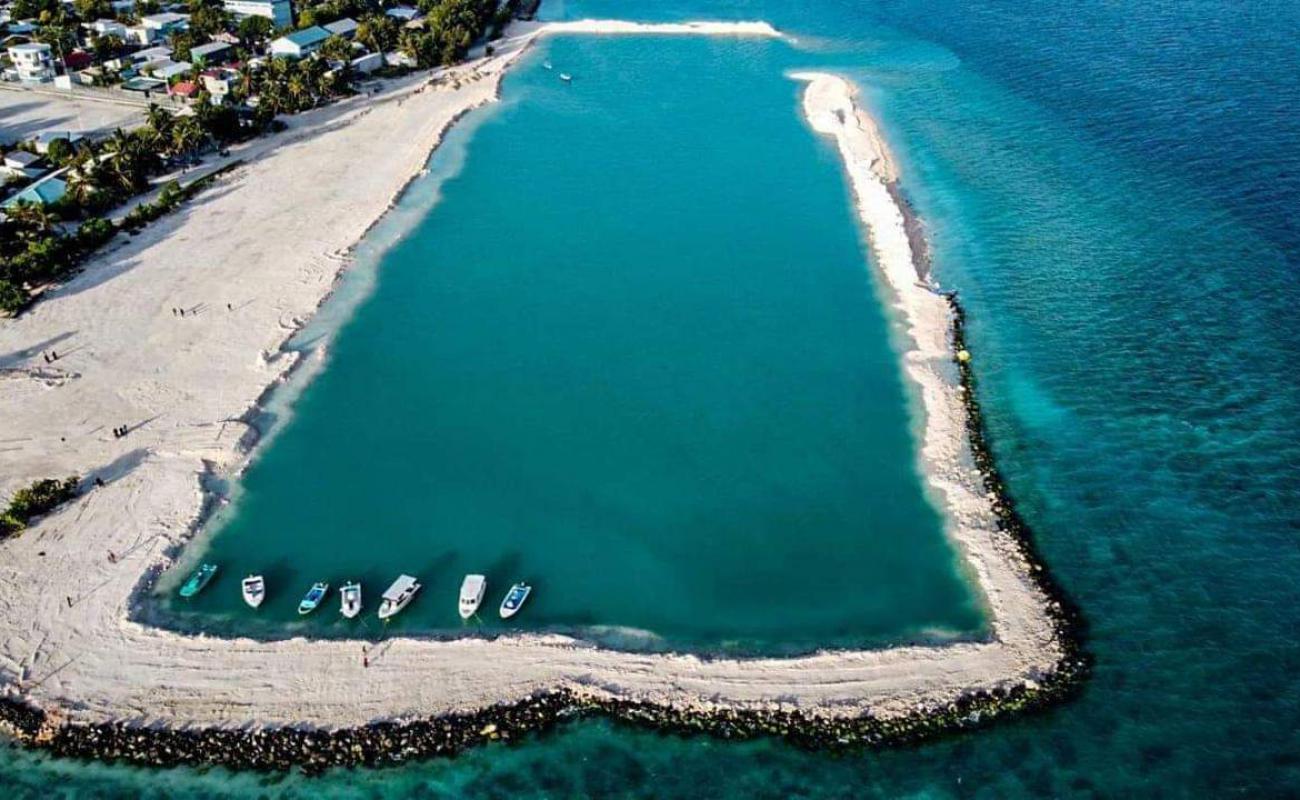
[(1112, 188)]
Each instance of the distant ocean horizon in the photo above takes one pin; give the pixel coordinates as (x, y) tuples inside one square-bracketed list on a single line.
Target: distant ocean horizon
[(1111, 188)]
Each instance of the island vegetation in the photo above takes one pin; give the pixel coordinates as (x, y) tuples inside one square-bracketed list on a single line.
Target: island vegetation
[(41, 497), (45, 242)]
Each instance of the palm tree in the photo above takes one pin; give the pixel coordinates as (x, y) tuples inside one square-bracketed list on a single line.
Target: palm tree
[(160, 120), (84, 179), (132, 160), (298, 90), (187, 136), (34, 219)]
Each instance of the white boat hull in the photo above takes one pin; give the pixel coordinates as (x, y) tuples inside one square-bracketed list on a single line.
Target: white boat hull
[(398, 596), (507, 611), (471, 595), (351, 601), (254, 592)]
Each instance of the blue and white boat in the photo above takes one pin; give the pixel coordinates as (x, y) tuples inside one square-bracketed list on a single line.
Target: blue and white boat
[(198, 579), (514, 599), (313, 598)]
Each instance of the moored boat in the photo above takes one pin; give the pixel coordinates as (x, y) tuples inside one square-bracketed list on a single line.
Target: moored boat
[(398, 596), (472, 590), (514, 599), (198, 579), (314, 595), (254, 590), (566, 77), (350, 596)]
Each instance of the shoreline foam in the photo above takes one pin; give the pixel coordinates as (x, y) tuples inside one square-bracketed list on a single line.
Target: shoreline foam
[(86, 673)]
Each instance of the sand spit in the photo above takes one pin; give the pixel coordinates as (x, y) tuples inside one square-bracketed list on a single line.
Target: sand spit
[(248, 266)]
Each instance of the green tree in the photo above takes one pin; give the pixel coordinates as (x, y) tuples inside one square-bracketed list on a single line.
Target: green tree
[(378, 32), (32, 9), (187, 136), (336, 48), (159, 122), (59, 152), (12, 299), (41, 497), (181, 42), (61, 37), (109, 46), (253, 31), (207, 21), (91, 10)]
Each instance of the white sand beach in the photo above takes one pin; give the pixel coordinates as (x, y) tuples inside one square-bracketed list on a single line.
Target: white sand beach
[(270, 240)]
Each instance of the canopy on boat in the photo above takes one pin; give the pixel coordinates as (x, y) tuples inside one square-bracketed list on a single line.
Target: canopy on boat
[(401, 586)]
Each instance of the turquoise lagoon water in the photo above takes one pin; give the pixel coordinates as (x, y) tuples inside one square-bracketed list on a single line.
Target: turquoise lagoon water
[(633, 356), (1112, 188)]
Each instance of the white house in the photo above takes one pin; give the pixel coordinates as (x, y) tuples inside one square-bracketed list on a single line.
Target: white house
[(278, 11), (107, 27), (152, 54), (300, 43), (33, 62), (368, 63), (160, 26), (166, 70)]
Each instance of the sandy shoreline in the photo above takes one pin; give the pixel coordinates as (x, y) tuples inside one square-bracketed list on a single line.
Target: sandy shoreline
[(68, 645)]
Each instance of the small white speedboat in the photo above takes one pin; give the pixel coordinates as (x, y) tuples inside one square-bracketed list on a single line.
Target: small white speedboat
[(350, 595), (313, 597), (254, 590), (566, 77), (398, 596), (514, 599), (547, 65), (471, 594)]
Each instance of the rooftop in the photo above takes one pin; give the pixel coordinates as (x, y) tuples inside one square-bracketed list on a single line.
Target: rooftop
[(342, 26), (165, 18), (208, 49), (306, 36), (44, 192), (21, 158)]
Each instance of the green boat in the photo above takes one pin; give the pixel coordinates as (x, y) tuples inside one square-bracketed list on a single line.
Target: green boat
[(201, 577)]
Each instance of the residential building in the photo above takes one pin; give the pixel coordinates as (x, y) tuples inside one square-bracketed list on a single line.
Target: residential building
[(210, 54), (219, 82), (346, 27), (33, 62), (160, 26), (404, 13), (300, 43), (184, 89), (166, 70), (107, 27), (278, 11), (21, 164), (152, 54), (368, 63), (43, 192)]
